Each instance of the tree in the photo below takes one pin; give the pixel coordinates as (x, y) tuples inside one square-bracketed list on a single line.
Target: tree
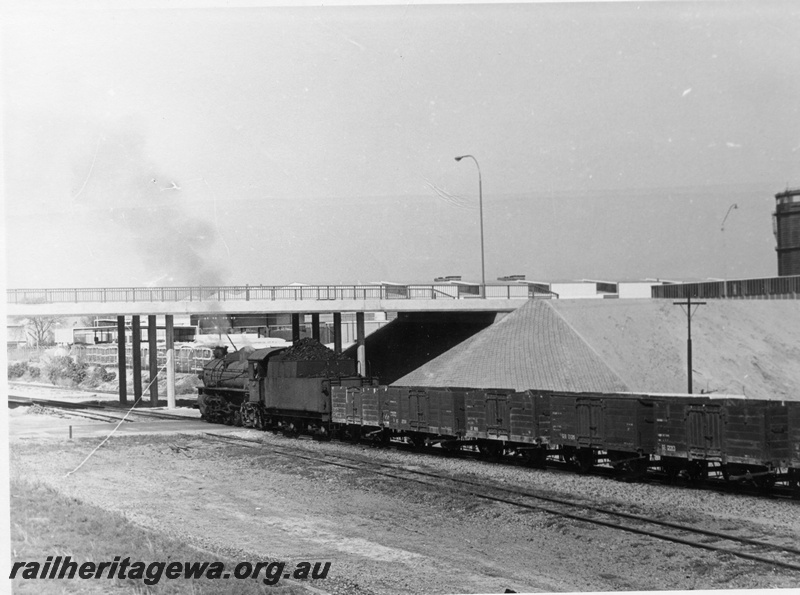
[(40, 329)]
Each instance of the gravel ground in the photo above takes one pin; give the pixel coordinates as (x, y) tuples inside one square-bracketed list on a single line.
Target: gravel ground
[(391, 536)]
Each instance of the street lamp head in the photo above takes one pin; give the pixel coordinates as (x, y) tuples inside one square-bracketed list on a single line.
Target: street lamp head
[(459, 158)]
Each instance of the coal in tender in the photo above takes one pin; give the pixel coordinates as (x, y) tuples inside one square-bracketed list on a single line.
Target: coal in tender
[(308, 349)]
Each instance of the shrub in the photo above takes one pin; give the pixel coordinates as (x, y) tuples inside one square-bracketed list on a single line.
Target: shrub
[(108, 376), (97, 374), (65, 367), (17, 369)]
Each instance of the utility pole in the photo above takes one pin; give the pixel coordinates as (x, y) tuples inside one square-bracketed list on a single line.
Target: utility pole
[(688, 303)]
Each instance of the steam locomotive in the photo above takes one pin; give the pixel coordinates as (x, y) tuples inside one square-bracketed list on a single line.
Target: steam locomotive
[(280, 388)]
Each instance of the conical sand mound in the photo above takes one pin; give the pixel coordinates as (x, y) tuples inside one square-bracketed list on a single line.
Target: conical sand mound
[(533, 347)]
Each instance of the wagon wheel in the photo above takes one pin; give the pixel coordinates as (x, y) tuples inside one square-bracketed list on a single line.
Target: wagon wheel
[(637, 468), (764, 482), (696, 471), (794, 483), (291, 430), (535, 457), (672, 470), (584, 459), (384, 438), (490, 449), (417, 441), (451, 447)]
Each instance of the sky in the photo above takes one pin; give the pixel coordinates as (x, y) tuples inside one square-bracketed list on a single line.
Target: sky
[(210, 144)]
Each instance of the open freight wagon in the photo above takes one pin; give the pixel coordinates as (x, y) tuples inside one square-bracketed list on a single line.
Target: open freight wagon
[(504, 420), (737, 437), (615, 428)]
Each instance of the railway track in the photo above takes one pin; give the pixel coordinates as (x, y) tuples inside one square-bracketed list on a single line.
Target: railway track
[(773, 554), (91, 411)]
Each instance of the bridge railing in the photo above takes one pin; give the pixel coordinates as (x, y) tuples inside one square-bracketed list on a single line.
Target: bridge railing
[(768, 287), (262, 293)]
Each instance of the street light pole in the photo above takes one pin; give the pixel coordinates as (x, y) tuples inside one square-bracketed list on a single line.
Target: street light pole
[(724, 252), (480, 207)]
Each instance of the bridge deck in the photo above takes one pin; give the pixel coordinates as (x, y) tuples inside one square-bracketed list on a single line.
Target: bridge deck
[(274, 299)]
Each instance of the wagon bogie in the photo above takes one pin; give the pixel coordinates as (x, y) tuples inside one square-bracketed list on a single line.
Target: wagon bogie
[(580, 458), (631, 464), (693, 472), (793, 479), (491, 449), (531, 455)]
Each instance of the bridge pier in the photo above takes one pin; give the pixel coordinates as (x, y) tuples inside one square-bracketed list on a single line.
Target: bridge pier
[(122, 368), (295, 328), (170, 352), (152, 340), (361, 350), (315, 327), (337, 333), (136, 356)]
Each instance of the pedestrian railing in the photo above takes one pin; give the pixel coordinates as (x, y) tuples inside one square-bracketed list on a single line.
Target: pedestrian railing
[(264, 293), (766, 288)]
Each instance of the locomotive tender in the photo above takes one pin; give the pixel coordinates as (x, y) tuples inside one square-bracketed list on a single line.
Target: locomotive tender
[(690, 435)]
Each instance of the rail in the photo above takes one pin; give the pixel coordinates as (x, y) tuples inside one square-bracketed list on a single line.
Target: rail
[(766, 288), (263, 293)]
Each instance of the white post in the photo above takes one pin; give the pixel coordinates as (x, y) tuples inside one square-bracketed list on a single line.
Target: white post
[(170, 344)]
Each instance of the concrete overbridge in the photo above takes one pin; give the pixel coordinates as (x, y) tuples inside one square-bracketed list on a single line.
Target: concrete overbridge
[(446, 306)]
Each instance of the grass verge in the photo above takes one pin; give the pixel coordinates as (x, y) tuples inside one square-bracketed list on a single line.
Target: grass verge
[(46, 523)]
